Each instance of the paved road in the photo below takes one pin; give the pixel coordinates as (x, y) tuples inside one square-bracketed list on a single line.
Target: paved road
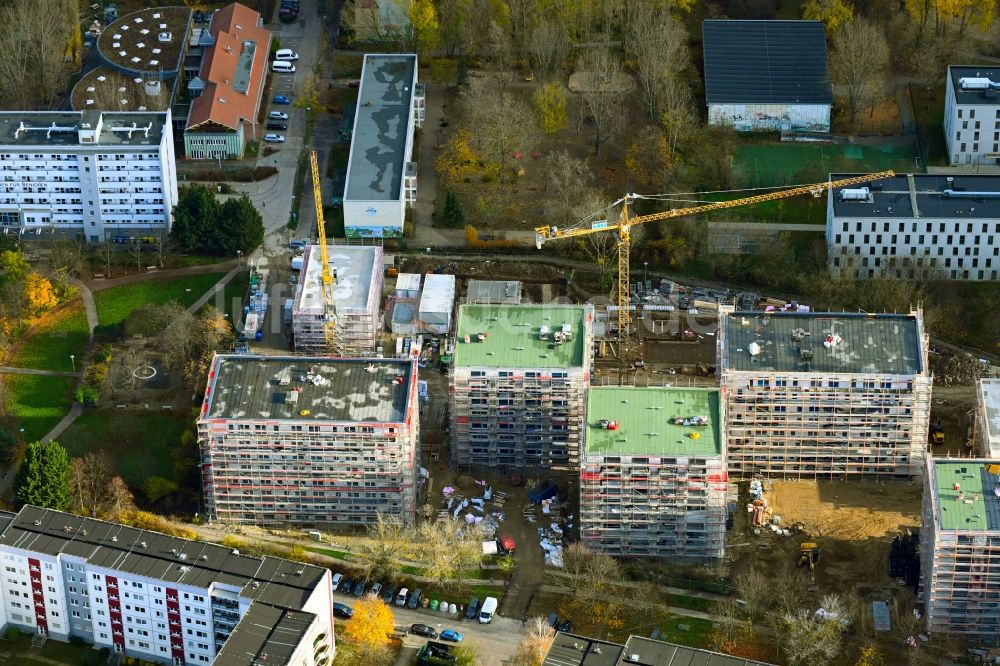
[(496, 642)]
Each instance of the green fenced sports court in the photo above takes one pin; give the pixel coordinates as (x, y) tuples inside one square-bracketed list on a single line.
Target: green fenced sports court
[(773, 164)]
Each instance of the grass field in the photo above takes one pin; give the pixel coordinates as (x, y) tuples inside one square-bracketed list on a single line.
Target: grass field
[(777, 164), (116, 304), (140, 443), (37, 402), (18, 651), (58, 335), (232, 297)]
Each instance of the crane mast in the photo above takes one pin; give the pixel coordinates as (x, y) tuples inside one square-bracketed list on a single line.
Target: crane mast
[(626, 220), (326, 276)]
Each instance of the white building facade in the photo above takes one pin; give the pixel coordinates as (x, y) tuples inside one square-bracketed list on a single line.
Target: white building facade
[(100, 177), (916, 227), (972, 115), (150, 596), (381, 176)]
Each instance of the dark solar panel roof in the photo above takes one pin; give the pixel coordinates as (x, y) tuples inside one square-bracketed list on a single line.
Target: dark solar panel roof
[(764, 62), (265, 635)]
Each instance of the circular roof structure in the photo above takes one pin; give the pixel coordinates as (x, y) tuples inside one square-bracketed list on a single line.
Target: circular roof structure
[(147, 42)]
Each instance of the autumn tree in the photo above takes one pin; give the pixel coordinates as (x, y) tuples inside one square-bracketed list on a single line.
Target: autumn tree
[(860, 63), (452, 14), (44, 478), (550, 103), (458, 161), (658, 51), (536, 639), (372, 624), (501, 125), (426, 29), (833, 13), (448, 548), (602, 98), (386, 545), (40, 294), (120, 499)]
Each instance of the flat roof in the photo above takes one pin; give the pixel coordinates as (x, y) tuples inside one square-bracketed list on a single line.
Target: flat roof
[(645, 421), (989, 401), (355, 267), (171, 559), (378, 143), (513, 337), (494, 291), (922, 195), (328, 389), (438, 295), (62, 128), (889, 344), (101, 89), (991, 98), (133, 41), (264, 635), (975, 506), (765, 62), (573, 650)]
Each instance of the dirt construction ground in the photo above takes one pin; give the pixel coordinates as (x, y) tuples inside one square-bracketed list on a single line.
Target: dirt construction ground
[(852, 522)]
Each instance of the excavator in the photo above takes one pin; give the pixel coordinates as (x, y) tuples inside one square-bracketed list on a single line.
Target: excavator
[(937, 434), (809, 555)]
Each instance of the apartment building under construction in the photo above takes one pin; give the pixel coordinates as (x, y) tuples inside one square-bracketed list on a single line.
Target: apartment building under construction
[(960, 548), (357, 292), (653, 475), (824, 395), (309, 441), (519, 381)]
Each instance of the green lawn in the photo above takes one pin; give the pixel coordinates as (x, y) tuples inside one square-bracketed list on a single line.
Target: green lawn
[(62, 333), (116, 304), (787, 164), (19, 651), (230, 301), (335, 554), (140, 442), (37, 402)]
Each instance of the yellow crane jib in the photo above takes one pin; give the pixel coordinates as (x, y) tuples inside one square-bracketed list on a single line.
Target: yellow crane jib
[(626, 220), (326, 276)]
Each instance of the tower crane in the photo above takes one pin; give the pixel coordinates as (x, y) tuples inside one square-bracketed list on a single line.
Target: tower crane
[(326, 276), (627, 219)]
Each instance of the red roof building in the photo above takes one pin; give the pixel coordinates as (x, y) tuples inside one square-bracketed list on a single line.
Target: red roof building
[(232, 74)]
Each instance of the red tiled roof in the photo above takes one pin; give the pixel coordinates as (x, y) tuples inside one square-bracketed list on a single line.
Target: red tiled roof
[(220, 103)]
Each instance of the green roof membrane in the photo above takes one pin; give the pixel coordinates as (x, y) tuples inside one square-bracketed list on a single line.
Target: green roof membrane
[(513, 336), (974, 506), (645, 421)]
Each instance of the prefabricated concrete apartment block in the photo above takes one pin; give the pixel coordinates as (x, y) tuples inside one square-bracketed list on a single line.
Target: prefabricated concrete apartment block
[(824, 395), (988, 417), (653, 475), (357, 295), (517, 394), (309, 441), (960, 548), (149, 596)]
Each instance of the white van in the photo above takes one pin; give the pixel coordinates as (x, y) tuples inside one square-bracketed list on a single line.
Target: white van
[(401, 597), (286, 54), (487, 611), (282, 67)]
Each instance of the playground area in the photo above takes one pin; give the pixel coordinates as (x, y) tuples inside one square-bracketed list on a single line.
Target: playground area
[(777, 164)]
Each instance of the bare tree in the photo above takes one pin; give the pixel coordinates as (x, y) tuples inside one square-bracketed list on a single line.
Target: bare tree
[(448, 548), (565, 183), (36, 38), (89, 479), (548, 48), (386, 546), (520, 14), (860, 63), (120, 498), (602, 95), (452, 14), (500, 51), (809, 637), (536, 639), (657, 47), (755, 590), (500, 123), (677, 114)]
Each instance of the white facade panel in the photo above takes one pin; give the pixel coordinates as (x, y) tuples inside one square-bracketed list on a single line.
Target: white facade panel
[(771, 117), (374, 219)]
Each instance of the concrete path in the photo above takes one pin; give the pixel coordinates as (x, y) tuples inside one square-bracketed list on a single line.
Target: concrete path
[(101, 285), (9, 370), (218, 288)]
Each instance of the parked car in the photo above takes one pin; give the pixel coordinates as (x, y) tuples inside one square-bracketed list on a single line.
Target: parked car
[(375, 590), (414, 599), (274, 138), (389, 595), (282, 99), (343, 611), (473, 609), (337, 578), (565, 626), (346, 587), (278, 115), (451, 635), (286, 54), (359, 589), (423, 630), (282, 67), (401, 597), (277, 125), (552, 620)]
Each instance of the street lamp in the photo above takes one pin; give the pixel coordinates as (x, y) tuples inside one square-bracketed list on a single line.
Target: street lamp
[(645, 265), (72, 359), (239, 256)]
